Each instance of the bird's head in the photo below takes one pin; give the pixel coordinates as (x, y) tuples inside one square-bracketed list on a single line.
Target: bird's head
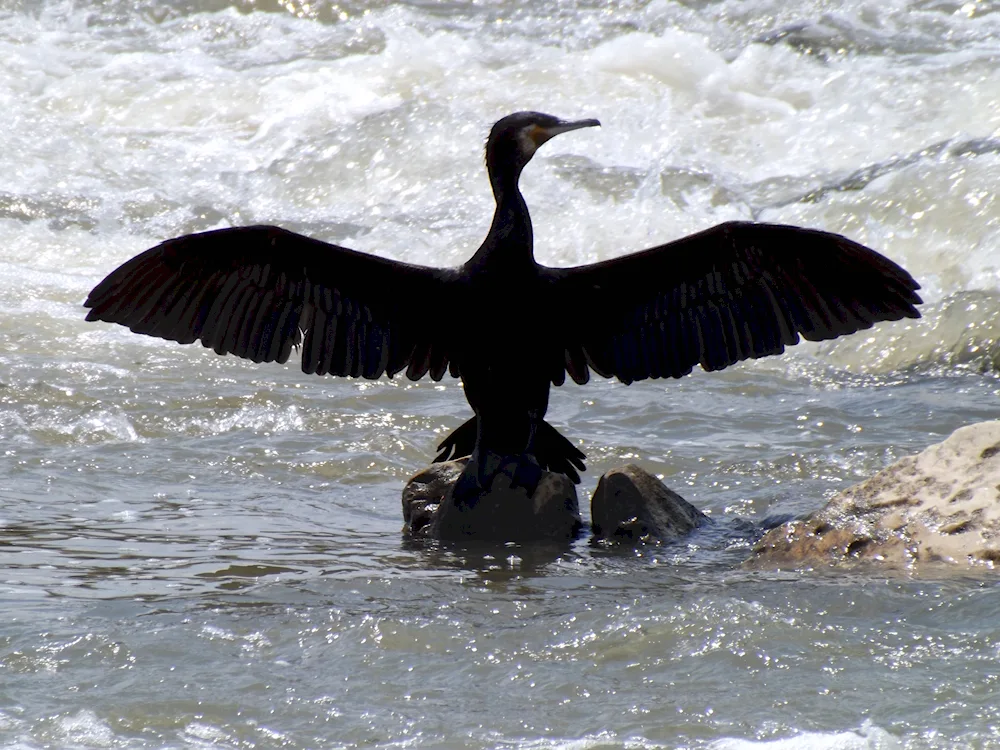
[(515, 138)]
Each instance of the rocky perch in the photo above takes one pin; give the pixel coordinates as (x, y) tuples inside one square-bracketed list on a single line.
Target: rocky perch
[(629, 506), (506, 514), (939, 506)]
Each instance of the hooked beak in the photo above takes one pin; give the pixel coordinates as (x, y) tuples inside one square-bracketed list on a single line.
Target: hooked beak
[(540, 134)]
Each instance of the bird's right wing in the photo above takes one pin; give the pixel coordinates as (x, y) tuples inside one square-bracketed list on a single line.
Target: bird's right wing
[(736, 291), (259, 291)]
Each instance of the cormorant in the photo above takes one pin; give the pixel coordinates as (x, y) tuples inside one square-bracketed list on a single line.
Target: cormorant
[(506, 325)]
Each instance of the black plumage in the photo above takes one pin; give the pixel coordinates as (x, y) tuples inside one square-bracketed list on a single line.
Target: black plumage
[(508, 326)]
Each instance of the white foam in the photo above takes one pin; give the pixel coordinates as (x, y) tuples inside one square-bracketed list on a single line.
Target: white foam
[(84, 729), (270, 418), (868, 737)]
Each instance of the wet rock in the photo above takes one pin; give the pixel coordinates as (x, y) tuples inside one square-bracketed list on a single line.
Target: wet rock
[(424, 493), (939, 506), (631, 505), (505, 514)]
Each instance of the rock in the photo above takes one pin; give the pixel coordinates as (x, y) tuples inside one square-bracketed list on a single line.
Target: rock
[(939, 506), (631, 505), (423, 494), (505, 514)]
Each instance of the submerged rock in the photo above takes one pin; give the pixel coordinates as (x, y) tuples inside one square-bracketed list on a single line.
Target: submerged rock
[(505, 514), (631, 505), (941, 505)]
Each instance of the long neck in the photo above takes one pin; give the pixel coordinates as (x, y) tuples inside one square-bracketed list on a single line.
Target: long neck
[(510, 241)]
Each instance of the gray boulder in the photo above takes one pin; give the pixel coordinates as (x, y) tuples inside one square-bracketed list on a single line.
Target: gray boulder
[(939, 506), (632, 506)]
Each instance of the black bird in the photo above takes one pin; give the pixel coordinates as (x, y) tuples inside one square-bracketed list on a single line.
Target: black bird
[(506, 325)]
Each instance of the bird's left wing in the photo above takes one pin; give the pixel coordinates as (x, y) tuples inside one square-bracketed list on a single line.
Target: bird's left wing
[(259, 291), (737, 291)]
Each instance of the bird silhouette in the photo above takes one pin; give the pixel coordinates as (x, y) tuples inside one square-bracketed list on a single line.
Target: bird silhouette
[(508, 326)]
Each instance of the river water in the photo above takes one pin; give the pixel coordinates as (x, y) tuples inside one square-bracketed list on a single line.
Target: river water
[(200, 552)]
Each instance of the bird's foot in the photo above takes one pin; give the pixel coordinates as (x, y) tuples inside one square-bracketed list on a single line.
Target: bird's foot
[(467, 490), (478, 479), (523, 471)]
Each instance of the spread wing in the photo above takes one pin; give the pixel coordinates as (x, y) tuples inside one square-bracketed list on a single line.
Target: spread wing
[(737, 291), (259, 291)]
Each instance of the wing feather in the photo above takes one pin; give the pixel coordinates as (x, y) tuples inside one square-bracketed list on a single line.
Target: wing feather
[(737, 291), (258, 292)]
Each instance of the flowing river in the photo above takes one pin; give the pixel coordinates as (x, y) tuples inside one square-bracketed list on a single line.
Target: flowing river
[(196, 551)]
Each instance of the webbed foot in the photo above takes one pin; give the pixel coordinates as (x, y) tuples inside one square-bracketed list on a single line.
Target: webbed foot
[(523, 471)]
